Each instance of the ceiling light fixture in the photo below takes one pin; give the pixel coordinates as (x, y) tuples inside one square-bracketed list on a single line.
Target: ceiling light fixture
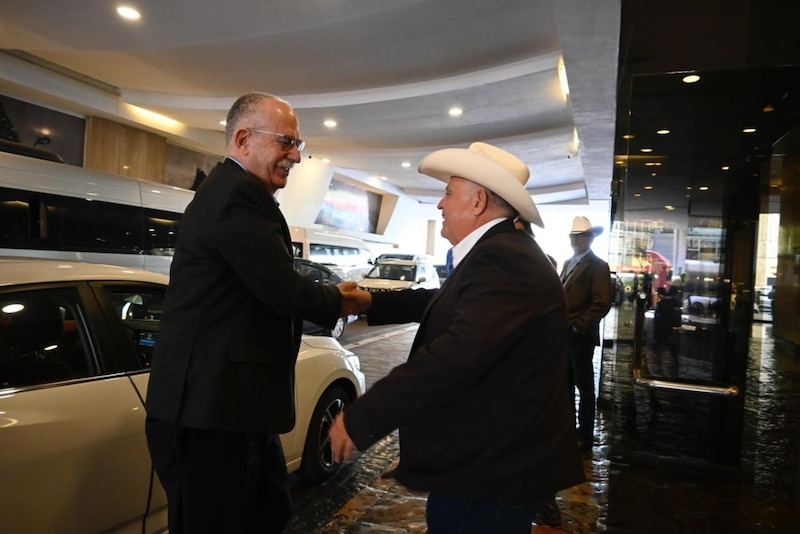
[(562, 77), (455, 112), (129, 13), (725, 168), (628, 136), (406, 164), (662, 132), (691, 78), (749, 130), (330, 123), (646, 149)]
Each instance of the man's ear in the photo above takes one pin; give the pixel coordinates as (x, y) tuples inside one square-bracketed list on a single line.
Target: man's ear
[(481, 201), (241, 139)]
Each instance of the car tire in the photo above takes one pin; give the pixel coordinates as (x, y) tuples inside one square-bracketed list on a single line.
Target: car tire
[(317, 464), (338, 330)]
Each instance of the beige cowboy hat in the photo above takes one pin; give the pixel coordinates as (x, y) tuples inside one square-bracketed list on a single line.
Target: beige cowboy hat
[(493, 168), (581, 225)]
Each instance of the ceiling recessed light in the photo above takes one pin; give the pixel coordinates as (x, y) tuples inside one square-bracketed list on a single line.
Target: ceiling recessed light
[(768, 108), (383, 178), (129, 13), (330, 123), (646, 149), (691, 78), (669, 208), (455, 112), (726, 168), (703, 188), (326, 160), (406, 164), (653, 174), (749, 130), (637, 194), (648, 187), (223, 122), (628, 136), (663, 132)]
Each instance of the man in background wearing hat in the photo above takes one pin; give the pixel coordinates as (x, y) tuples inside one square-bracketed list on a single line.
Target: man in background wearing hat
[(587, 285), (481, 403)]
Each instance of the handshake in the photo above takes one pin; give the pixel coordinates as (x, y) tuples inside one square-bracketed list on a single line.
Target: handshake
[(354, 301)]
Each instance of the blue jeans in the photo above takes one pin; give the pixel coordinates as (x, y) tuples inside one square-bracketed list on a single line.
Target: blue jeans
[(464, 515)]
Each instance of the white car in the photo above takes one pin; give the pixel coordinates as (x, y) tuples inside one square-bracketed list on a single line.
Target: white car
[(75, 345), (395, 275)]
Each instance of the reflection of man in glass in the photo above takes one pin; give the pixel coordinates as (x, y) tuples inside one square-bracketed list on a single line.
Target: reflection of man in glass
[(667, 316)]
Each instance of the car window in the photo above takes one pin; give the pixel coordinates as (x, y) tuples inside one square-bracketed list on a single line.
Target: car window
[(43, 338), (139, 311), (310, 271)]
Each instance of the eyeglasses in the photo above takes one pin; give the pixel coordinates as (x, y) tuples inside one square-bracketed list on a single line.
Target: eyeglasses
[(285, 141)]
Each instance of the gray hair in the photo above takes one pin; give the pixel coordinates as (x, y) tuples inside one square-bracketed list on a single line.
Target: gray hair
[(244, 108), (500, 203)]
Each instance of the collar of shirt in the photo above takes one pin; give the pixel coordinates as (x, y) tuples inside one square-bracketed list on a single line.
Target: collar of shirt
[(465, 245), (575, 260)]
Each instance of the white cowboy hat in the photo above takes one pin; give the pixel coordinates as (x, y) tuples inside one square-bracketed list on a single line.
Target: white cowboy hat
[(493, 168), (581, 225)]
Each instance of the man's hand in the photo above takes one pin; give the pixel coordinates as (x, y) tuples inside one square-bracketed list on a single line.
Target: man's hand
[(341, 443), (354, 301)]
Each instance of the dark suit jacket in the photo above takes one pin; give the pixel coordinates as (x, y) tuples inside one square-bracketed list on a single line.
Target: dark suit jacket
[(482, 402), (588, 292), (229, 332)]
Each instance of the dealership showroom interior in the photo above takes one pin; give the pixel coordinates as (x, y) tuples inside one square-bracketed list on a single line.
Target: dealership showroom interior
[(674, 126)]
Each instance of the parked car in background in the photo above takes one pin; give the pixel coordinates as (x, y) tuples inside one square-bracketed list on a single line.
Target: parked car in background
[(394, 275), (443, 273), (76, 342), (323, 274)]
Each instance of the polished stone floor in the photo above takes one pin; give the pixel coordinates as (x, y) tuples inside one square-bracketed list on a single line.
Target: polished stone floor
[(643, 475)]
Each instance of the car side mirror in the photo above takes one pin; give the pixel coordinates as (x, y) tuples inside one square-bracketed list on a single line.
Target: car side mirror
[(421, 279)]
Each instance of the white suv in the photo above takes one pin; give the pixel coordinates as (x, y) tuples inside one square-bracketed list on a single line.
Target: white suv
[(394, 275)]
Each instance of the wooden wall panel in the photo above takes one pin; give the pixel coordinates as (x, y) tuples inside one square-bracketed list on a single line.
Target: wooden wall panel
[(119, 149)]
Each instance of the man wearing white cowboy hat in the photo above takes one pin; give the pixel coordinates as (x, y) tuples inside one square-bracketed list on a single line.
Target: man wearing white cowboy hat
[(587, 285), (482, 403)]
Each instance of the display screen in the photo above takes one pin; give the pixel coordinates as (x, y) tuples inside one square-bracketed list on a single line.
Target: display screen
[(147, 339)]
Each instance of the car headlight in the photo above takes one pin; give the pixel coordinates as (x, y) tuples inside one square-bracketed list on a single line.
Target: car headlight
[(354, 361)]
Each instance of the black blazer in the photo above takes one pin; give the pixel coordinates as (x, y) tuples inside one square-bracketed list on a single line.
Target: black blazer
[(230, 330), (482, 403), (588, 290)]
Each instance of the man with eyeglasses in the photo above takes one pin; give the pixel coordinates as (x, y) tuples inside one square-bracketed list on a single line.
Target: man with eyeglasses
[(221, 386)]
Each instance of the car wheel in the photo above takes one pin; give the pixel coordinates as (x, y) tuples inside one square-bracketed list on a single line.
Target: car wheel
[(338, 330), (317, 464)]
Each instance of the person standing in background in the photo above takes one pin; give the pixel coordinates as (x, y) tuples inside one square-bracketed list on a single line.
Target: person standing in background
[(587, 285), (222, 381)]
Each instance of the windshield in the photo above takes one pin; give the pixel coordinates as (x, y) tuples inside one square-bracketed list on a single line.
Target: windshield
[(393, 272)]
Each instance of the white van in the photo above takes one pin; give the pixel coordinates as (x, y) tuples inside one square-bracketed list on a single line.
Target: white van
[(330, 247), (54, 210)]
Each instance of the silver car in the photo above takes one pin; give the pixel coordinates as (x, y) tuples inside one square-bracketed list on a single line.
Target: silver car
[(76, 341)]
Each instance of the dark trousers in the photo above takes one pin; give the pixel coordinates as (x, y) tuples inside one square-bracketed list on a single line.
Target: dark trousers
[(580, 350), (220, 482), (464, 515)]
